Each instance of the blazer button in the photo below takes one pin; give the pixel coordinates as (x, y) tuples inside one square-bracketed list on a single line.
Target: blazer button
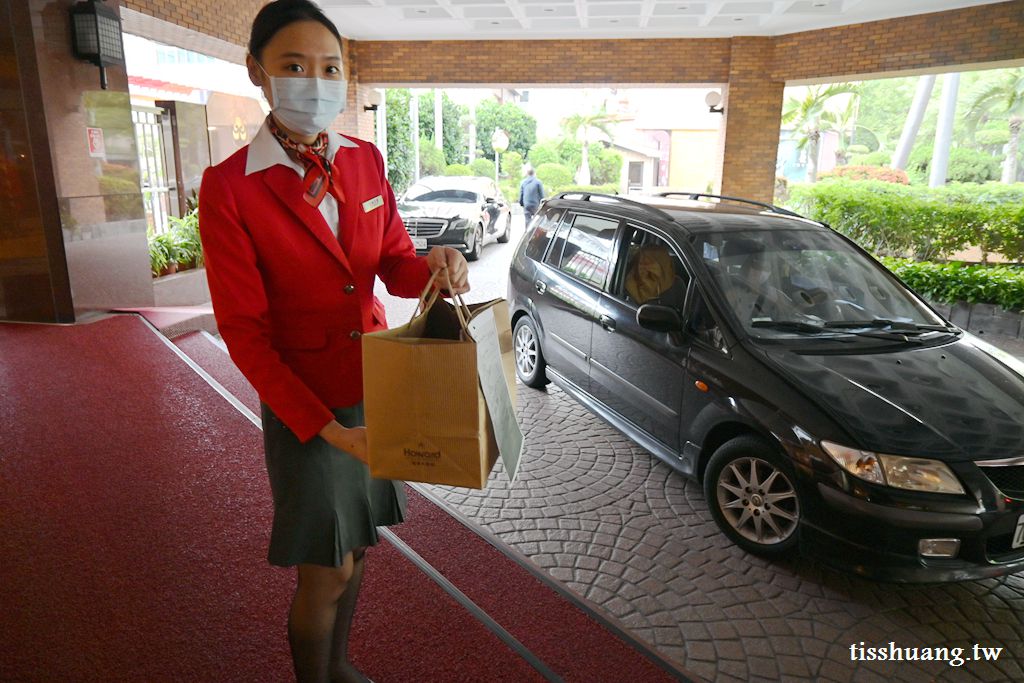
[(349, 289), (355, 334)]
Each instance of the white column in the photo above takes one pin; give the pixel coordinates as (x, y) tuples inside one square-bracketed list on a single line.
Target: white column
[(382, 127), (913, 122), (472, 132), (438, 124), (414, 114), (944, 132)]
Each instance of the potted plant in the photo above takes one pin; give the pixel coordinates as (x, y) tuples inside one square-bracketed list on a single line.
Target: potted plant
[(165, 252), (186, 230)]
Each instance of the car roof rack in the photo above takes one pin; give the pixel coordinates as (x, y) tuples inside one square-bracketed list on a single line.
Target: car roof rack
[(585, 196), (763, 205)]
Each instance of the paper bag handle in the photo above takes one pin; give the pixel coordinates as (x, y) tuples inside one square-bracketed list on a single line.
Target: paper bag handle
[(428, 297)]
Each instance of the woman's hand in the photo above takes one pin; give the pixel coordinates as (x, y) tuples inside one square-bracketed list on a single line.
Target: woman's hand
[(352, 440), (455, 262)]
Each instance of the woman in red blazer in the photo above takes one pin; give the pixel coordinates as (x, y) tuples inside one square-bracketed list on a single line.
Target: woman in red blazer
[(295, 228)]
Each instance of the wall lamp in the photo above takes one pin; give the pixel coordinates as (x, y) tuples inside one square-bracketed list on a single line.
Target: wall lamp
[(96, 36), (373, 100), (713, 99)]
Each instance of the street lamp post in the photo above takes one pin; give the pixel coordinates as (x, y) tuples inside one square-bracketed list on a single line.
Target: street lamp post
[(499, 143)]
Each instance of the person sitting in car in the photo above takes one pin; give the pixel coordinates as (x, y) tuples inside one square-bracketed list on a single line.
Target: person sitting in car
[(651, 278), (751, 293)]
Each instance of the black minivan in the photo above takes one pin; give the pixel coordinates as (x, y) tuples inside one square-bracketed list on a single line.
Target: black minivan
[(822, 404)]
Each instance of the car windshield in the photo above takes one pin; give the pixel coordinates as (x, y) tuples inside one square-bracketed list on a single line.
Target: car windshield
[(786, 283), (422, 193)]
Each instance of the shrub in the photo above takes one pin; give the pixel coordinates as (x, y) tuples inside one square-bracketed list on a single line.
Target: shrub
[(482, 167), (781, 193), (955, 281), (876, 158), (900, 220), (965, 165), (511, 165), (458, 169), (431, 158), (607, 188), (554, 177), (543, 153), (887, 175)]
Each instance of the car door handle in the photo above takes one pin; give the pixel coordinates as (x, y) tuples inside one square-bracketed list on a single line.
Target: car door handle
[(540, 286), (607, 322)]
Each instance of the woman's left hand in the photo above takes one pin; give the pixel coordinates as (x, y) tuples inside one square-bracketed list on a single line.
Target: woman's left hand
[(455, 262)]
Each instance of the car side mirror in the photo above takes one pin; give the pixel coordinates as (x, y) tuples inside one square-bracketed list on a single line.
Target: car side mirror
[(659, 318)]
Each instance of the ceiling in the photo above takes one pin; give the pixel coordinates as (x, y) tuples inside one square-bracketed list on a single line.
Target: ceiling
[(542, 19)]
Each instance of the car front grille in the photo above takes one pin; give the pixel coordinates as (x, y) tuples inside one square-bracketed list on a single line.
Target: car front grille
[(1009, 479), (425, 227)]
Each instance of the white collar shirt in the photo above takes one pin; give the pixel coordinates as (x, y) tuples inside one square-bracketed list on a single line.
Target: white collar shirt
[(265, 151)]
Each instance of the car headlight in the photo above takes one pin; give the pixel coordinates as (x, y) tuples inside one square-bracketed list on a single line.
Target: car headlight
[(914, 474)]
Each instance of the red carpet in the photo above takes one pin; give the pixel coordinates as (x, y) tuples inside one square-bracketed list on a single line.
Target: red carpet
[(134, 512), (543, 623)]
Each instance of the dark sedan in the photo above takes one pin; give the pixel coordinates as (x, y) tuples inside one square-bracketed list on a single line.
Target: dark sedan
[(465, 212), (822, 404)]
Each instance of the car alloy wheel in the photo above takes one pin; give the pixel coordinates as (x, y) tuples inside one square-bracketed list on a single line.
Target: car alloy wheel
[(504, 237), (750, 491), (530, 363), (478, 244)]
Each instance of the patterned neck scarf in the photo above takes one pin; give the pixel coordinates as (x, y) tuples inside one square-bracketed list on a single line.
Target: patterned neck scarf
[(321, 173)]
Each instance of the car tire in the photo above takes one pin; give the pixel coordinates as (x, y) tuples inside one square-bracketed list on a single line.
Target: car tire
[(530, 364), (478, 244), (504, 237), (751, 492)]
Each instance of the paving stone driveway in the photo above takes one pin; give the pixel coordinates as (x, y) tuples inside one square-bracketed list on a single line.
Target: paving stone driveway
[(625, 531)]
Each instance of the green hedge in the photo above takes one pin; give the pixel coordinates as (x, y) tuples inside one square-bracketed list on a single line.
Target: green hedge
[(926, 223), (953, 282)]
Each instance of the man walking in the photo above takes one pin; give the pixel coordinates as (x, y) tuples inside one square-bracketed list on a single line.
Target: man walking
[(531, 193)]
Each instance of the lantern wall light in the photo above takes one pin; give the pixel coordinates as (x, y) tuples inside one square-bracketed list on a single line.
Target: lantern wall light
[(96, 36)]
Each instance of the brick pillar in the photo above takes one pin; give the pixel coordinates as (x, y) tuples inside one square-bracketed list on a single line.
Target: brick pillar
[(753, 111)]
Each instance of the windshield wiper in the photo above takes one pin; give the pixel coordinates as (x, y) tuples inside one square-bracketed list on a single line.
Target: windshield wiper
[(889, 325), (790, 325)]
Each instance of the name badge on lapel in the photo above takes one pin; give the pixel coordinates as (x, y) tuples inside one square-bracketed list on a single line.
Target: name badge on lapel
[(371, 204)]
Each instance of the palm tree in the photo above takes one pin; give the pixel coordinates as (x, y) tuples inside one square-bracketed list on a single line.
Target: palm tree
[(810, 118), (1004, 97), (585, 128)]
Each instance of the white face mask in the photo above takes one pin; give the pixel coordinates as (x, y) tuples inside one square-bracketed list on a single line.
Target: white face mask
[(306, 105)]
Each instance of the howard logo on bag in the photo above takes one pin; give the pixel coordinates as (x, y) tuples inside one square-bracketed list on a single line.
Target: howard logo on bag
[(415, 433), (420, 456)]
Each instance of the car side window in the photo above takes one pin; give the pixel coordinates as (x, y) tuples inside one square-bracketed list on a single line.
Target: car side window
[(650, 271), (543, 230), (558, 240), (702, 324), (587, 252)]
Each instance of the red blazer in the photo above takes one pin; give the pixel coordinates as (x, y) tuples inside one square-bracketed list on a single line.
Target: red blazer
[(290, 299)]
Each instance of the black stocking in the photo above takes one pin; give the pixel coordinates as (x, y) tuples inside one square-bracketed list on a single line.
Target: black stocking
[(342, 670)]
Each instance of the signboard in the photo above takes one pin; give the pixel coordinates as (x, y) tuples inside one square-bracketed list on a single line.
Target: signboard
[(96, 146)]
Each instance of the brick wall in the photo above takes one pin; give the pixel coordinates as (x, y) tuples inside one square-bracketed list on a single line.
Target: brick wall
[(543, 61), (753, 109), (976, 35), (228, 20)]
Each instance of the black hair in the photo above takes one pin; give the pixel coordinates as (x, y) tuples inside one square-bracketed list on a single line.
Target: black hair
[(275, 15)]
